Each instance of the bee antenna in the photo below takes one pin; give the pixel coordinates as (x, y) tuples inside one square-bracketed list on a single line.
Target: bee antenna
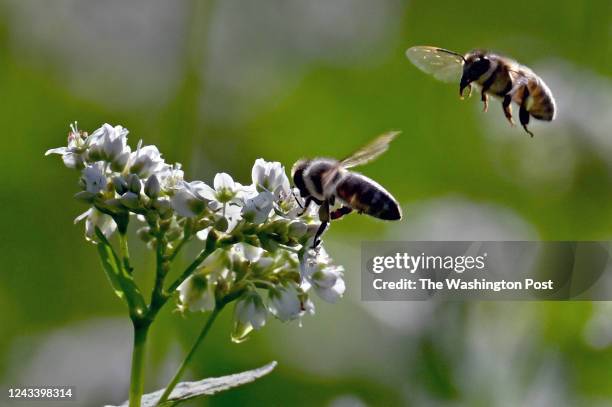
[(452, 53)]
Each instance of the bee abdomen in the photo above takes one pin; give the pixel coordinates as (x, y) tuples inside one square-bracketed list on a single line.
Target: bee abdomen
[(542, 104), (364, 195)]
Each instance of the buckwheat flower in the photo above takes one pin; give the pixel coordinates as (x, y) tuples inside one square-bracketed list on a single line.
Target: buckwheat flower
[(233, 214), (247, 251), (328, 283), (187, 200), (74, 155), (224, 191), (258, 209), (290, 204), (318, 272), (146, 161), (109, 143), (170, 178), (197, 293), (94, 218), (284, 302), (250, 311), (93, 178), (270, 176)]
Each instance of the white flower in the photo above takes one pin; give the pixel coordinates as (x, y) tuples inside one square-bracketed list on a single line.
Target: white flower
[(187, 199), (285, 303), (216, 266), (250, 311), (258, 209), (110, 144), (74, 156), (328, 283), (248, 252), (197, 293), (270, 176), (290, 203), (171, 178), (318, 272), (225, 189), (233, 214), (94, 218), (93, 178), (146, 161)]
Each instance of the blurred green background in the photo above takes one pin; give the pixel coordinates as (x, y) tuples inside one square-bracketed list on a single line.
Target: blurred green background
[(216, 85)]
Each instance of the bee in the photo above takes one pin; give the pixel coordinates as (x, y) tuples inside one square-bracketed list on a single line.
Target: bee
[(326, 180), (495, 75)]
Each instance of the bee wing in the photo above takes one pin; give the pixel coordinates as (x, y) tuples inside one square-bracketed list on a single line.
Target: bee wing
[(370, 151), (444, 65)]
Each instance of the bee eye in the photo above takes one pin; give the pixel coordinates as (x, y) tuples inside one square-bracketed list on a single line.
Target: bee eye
[(479, 67)]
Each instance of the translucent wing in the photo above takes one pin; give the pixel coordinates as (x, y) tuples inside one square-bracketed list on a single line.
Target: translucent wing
[(444, 65), (370, 151)]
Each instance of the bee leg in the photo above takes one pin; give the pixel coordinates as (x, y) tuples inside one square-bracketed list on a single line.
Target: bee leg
[(305, 207), (508, 108), (524, 117), (523, 113), (340, 212), (317, 238), (297, 201), (485, 99), (324, 217)]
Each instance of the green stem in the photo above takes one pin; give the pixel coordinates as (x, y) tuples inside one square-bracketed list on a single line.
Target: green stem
[(124, 251), (138, 356), (194, 264), (181, 369)]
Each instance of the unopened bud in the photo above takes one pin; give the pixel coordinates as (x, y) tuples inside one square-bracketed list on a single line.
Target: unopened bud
[(297, 229), (152, 187), (120, 185), (221, 224), (144, 233), (134, 183)]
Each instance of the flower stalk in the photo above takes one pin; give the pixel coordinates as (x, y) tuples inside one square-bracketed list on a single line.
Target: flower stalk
[(141, 330), (181, 370)]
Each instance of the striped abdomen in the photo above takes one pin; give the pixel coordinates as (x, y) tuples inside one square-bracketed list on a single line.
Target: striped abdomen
[(366, 196), (539, 100)]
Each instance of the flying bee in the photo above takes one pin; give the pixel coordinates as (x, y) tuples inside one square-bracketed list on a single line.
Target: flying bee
[(495, 75), (325, 180)]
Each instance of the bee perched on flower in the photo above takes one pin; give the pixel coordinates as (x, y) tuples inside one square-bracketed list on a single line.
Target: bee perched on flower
[(254, 248)]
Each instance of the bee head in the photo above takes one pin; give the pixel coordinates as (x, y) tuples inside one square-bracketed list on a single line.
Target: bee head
[(476, 64), (297, 173)]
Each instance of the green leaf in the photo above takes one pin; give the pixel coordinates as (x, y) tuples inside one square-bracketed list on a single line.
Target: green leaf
[(121, 280), (190, 390), (111, 268)]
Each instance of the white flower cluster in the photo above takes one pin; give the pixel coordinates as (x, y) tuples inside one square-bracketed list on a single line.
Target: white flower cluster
[(258, 244)]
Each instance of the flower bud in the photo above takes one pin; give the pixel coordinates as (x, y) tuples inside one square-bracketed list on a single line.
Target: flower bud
[(297, 229), (221, 224), (130, 200), (197, 293), (144, 233), (284, 302), (250, 313), (174, 233), (120, 185), (134, 184), (164, 207), (152, 187)]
